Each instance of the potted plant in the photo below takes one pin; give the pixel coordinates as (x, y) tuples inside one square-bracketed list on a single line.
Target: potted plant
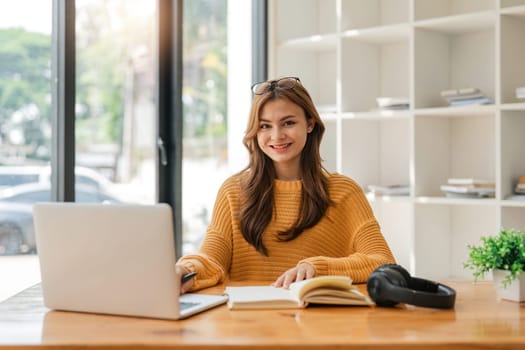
[(504, 255)]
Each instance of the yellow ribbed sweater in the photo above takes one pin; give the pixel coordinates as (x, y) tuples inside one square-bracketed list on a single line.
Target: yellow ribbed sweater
[(346, 241)]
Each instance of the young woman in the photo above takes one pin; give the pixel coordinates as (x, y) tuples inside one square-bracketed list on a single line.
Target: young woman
[(285, 218)]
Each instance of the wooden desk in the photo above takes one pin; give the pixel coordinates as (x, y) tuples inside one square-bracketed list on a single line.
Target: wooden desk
[(478, 321)]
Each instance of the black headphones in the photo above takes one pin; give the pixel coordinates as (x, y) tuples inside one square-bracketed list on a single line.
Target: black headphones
[(390, 284)]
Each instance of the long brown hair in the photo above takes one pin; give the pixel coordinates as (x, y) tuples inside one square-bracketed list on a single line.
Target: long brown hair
[(257, 184)]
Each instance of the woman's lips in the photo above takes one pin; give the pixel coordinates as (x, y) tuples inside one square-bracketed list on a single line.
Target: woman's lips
[(281, 147)]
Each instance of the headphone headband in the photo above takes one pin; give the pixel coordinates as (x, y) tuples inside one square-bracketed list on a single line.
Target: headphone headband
[(390, 284)]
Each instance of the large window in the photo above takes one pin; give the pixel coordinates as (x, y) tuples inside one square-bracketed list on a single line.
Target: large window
[(25, 132), (204, 113), (116, 140), (115, 143), (115, 130), (217, 69)]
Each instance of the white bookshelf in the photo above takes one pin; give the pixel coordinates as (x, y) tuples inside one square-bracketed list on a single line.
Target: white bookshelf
[(349, 52)]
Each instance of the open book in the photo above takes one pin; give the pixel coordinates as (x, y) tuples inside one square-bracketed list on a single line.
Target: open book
[(333, 290)]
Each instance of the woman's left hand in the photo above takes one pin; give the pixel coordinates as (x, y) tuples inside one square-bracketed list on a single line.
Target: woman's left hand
[(300, 272)]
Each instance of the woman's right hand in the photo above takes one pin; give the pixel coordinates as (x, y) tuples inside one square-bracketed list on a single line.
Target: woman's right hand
[(181, 271), (301, 272)]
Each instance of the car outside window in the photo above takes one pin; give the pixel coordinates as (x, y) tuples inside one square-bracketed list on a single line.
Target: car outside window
[(7, 180)]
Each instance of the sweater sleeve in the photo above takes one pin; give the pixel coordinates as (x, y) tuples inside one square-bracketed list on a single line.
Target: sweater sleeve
[(367, 248), (371, 251), (213, 260)]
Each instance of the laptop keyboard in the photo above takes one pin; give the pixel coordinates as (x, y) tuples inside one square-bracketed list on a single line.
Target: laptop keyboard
[(186, 305)]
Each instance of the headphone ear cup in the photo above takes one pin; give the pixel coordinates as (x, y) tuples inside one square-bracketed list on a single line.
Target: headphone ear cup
[(375, 287), (383, 281), (402, 271)]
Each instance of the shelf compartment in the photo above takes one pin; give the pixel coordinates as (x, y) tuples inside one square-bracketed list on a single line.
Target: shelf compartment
[(512, 57), (395, 218), (512, 218), (373, 69), (446, 61), (376, 152), (328, 147), (317, 17), (442, 233), (424, 9), (512, 150), (316, 69), (358, 14), (452, 147)]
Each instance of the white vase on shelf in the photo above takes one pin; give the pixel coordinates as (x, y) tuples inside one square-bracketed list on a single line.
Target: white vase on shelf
[(514, 292)]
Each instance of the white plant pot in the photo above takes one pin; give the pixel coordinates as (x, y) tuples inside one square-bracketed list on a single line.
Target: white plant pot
[(515, 291)]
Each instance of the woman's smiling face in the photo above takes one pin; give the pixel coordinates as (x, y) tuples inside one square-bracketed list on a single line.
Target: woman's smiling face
[(283, 131)]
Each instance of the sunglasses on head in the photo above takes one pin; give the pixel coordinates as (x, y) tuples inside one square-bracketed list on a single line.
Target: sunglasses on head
[(270, 85)]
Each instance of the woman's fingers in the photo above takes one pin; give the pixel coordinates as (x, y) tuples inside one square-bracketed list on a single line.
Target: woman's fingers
[(300, 272)]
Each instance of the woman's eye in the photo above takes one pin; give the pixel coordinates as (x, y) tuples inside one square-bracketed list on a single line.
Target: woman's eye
[(264, 126), (289, 123)]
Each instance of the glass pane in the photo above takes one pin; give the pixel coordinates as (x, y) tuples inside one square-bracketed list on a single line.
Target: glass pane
[(204, 114), (115, 101), (25, 133)]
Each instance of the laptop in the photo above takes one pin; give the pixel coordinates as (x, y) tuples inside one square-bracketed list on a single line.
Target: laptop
[(114, 259)]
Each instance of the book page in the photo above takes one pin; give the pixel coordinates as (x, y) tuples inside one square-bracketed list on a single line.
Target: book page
[(337, 297), (300, 289)]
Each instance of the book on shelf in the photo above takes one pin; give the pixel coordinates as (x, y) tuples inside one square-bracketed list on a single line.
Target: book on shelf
[(460, 92), (520, 92), (517, 197), (391, 190), (329, 290), (393, 102), (520, 185), (465, 96), (463, 181), (467, 191), (471, 101)]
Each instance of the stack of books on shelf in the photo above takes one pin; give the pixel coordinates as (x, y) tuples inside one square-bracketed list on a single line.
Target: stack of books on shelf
[(520, 186), (393, 103), (469, 188), (392, 190), (465, 96), (520, 92)]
